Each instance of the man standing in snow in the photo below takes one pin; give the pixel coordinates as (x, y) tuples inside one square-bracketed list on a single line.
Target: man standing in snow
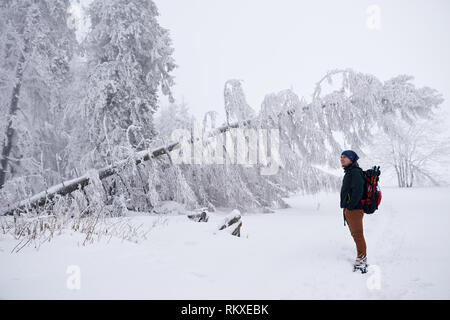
[(351, 194)]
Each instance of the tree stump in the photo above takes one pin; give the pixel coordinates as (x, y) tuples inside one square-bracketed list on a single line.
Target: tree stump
[(233, 223), (200, 217)]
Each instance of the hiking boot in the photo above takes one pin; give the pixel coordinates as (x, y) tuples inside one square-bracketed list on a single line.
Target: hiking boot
[(360, 264)]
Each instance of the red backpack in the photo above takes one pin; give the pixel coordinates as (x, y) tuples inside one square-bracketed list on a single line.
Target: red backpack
[(372, 195)]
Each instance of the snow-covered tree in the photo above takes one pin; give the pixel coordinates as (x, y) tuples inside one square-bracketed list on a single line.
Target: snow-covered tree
[(416, 152), (411, 131), (171, 117), (129, 58), (36, 48), (303, 142), (236, 106)]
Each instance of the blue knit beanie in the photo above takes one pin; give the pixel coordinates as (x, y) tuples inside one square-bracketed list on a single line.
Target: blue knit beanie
[(351, 155)]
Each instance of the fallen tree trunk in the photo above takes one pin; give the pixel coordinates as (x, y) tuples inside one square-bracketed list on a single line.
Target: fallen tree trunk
[(70, 186)]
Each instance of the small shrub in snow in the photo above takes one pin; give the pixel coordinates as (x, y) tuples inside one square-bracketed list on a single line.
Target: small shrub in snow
[(199, 217), (67, 215)]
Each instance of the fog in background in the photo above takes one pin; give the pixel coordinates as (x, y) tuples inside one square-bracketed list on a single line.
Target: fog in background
[(275, 45), (291, 44)]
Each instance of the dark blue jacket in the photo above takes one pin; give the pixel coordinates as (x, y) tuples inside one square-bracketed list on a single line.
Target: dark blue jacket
[(352, 187)]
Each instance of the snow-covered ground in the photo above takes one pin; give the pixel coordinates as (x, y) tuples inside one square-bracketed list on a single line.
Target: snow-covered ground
[(303, 252)]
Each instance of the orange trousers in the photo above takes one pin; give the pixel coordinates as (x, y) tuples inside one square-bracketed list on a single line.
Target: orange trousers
[(354, 220)]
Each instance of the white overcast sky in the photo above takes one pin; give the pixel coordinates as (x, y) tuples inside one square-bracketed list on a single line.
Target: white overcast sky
[(275, 45)]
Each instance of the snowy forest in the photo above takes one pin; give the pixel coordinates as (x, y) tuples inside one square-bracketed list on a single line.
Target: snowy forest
[(87, 141)]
